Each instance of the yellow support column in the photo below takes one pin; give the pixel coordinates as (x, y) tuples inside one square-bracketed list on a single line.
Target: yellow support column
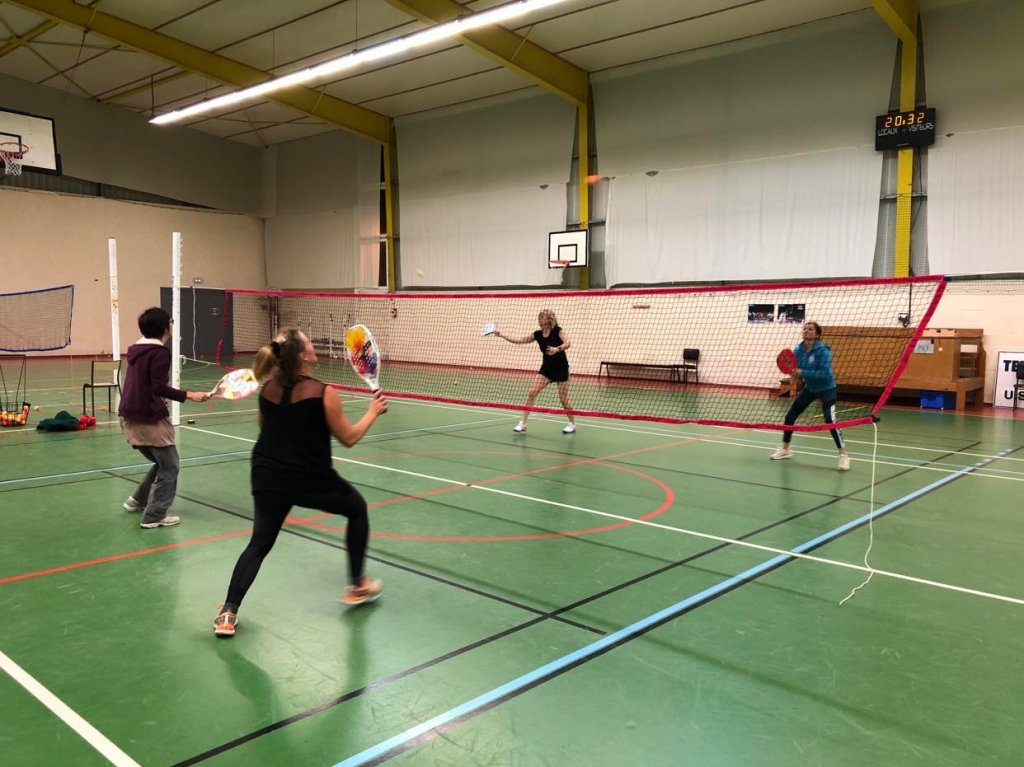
[(901, 16), (583, 167), (905, 163)]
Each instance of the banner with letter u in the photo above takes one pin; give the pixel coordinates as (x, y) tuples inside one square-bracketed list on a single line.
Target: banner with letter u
[(1006, 376)]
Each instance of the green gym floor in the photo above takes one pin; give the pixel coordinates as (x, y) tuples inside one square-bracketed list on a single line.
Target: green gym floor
[(615, 597)]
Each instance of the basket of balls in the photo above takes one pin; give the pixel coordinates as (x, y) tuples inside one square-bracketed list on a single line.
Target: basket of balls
[(13, 414)]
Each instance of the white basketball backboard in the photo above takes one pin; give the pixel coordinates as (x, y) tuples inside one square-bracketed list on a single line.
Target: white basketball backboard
[(567, 249), (37, 133)]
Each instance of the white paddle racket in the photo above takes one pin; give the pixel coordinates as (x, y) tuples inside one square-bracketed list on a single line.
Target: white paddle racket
[(363, 355), (489, 329)]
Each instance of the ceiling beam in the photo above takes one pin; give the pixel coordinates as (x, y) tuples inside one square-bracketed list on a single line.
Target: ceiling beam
[(900, 15), (16, 42), (547, 70), (144, 87), (352, 117)]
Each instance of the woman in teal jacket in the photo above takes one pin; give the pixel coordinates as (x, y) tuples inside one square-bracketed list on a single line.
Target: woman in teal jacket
[(814, 369)]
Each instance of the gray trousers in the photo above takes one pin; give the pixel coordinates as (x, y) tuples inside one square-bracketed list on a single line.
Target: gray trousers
[(157, 489)]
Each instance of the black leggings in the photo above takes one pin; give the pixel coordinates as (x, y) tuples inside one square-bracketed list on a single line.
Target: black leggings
[(828, 410), (271, 511)]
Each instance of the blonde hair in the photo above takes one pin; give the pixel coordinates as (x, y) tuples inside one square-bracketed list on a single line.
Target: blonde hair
[(281, 358), (550, 315)]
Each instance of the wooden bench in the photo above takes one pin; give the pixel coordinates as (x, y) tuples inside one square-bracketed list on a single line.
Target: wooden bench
[(674, 372), (961, 386)]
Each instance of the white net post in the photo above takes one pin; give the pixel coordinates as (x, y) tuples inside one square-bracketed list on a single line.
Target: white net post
[(115, 318), (175, 324)]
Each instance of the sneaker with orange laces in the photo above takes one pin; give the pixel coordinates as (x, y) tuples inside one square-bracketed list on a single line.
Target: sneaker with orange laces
[(225, 622), (367, 591)]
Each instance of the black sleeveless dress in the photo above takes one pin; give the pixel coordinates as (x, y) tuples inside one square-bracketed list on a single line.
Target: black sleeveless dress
[(555, 367)]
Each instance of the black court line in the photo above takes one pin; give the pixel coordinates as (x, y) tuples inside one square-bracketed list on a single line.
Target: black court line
[(597, 460), (241, 740), (290, 530), (455, 722)]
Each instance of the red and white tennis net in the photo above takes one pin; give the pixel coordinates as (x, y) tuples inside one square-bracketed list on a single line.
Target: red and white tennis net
[(627, 346)]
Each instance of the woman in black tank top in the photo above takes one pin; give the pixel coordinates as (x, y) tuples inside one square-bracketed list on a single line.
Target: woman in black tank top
[(554, 368), (292, 466)]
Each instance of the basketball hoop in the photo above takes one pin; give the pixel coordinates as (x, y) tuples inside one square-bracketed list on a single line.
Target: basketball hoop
[(559, 264), (12, 153)]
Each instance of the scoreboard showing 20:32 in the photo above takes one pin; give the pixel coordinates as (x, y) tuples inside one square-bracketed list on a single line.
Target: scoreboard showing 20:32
[(915, 127)]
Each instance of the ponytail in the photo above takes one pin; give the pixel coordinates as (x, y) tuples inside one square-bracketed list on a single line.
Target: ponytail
[(280, 358)]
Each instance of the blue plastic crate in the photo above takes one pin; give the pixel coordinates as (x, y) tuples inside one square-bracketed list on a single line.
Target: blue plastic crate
[(938, 400)]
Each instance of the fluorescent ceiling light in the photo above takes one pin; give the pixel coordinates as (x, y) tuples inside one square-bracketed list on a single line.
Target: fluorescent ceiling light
[(351, 60)]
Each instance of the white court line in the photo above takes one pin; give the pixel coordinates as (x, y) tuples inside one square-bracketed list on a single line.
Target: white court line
[(82, 728), (987, 473), (686, 531), (597, 424)]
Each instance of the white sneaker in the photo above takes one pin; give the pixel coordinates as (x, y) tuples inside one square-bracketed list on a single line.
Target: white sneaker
[(570, 428), (520, 427), (844, 462), (165, 522), (131, 504), (781, 453)]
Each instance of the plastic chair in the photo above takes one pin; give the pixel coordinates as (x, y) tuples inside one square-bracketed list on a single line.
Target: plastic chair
[(104, 374), (691, 357)]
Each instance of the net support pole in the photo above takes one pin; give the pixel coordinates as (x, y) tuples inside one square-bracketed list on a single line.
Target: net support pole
[(115, 317), (176, 324)]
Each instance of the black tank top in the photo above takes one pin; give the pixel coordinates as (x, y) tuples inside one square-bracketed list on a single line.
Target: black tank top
[(293, 451)]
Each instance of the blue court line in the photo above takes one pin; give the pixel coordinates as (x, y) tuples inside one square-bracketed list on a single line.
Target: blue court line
[(86, 472), (532, 677)]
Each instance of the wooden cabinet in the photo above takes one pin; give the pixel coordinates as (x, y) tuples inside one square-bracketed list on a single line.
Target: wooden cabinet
[(947, 354), (946, 359)]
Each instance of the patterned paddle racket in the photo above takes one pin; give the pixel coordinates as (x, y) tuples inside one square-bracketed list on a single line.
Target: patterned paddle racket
[(363, 355), (786, 360)]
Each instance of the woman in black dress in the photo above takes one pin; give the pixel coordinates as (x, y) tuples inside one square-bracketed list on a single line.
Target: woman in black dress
[(553, 341), (292, 465)]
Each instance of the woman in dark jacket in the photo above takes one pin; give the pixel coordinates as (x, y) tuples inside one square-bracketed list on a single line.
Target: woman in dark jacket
[(146, 421)]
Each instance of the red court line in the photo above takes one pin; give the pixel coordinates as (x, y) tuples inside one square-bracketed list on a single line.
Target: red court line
[(310, 520), (581, 462), (126, 555), (670, 498)]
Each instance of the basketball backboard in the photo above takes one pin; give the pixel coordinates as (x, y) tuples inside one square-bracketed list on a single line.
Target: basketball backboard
[(567, 249), (37, 133)]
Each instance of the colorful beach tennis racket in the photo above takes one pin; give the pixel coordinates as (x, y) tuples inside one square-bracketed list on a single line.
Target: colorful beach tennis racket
[(363, 355), (238, 384), (786, 360)]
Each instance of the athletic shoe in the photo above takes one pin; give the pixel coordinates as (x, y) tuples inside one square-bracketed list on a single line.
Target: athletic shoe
[(844, 462), (225, 622), (519, 427), (367, 591), (131, 504), (165, 522), (570, 428), (781, 453)]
